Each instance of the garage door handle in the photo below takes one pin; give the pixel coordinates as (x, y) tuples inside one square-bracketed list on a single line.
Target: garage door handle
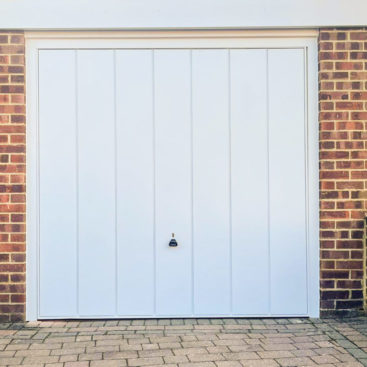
[(173, 242)]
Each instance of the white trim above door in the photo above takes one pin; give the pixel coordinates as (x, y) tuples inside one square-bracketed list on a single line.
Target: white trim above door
[(207, 68)]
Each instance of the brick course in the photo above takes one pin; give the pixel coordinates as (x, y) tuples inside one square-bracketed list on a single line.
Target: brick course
[(343, 170), (343, 167), (12, 177)]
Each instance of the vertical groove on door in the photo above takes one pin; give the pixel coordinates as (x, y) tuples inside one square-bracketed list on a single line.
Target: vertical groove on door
[(192, 193), (116, 184), (77, 180), (268, 180), (38, 230), (154, 190), (230, 183), (306, 139)]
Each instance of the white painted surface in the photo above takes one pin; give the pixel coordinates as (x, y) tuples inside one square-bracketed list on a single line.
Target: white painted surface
[(146, 14), (172, 97), (96, 182), (312, 181), (135, 177), (211, 194), (249, 152), (186, 115), (212, 39), (287, 192), (58, 164)]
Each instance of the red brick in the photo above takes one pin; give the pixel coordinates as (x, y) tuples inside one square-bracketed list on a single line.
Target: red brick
[(334, 116), (328, 295), (343, 165), (358, 55), (12, 177), (349, 284), (349, 244), (17, 278), (360, 36), (18, 298), (347, 105), (349, 265), (358, 96), (330, 254), (334, 274), (345, 65), (333, 55)]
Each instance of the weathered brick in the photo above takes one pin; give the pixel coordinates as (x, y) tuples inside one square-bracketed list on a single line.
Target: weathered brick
[(343, 162), (12, 139)]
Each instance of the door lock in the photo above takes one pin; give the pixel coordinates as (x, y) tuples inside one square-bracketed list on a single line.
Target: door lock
[(173, 242)]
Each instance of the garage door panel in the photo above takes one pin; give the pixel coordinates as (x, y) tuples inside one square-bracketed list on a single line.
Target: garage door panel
[(134, 163), (137, 144), (210, 111), (58, 203), (172, 96), (96, 191), (287, 182), (249, 182)]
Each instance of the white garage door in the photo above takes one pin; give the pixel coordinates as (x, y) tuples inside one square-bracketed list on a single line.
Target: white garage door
[(138, 145)]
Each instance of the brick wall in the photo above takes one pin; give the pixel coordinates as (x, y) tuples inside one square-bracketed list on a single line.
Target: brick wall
[(343, 164), (343, 175), (12, 177)]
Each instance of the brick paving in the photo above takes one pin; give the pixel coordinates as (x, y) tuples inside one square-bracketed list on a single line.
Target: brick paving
[(186, 343)]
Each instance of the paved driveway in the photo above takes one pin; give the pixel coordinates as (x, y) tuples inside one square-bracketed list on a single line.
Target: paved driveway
[(186, 343)]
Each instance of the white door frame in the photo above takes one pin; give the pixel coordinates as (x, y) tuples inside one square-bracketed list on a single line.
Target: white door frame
[(303, 39)]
